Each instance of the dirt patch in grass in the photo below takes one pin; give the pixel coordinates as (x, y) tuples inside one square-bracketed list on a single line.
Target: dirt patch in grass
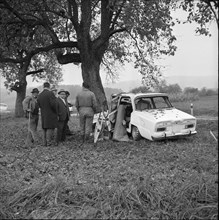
[(176, 179)]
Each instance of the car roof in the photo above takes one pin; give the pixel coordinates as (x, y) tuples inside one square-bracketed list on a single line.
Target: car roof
[(151, 94)]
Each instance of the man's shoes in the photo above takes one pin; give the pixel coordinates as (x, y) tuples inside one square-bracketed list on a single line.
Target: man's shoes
[(89, 139)]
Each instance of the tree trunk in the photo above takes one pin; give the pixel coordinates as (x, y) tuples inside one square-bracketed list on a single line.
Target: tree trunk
[(21, 93), (91, 75)]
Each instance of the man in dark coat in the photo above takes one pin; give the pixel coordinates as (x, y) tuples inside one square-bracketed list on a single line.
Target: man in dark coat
[(63, 116), (48, 106), (68, 132)]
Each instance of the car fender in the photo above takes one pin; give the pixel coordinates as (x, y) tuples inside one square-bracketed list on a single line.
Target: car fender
[(144, 125)]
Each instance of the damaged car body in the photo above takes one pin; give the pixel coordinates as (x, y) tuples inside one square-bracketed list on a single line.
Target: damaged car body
[(151, 116)]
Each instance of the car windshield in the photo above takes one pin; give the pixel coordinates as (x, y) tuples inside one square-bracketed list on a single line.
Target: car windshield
[(156, 102)]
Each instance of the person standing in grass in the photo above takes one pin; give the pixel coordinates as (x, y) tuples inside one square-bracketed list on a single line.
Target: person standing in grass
[(86, 105), (63, 116), (48, 106), (68, 132), (31, 109)]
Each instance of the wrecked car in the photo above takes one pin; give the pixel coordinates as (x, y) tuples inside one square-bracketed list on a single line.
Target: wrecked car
[(148, 115)]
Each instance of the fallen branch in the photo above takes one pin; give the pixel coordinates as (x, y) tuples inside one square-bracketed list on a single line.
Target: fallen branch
[(213, 135)]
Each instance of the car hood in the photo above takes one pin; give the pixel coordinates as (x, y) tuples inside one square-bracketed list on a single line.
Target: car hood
[(165, 114)]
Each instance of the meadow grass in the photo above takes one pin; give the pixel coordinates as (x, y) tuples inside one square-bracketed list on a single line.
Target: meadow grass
[(207, 106), (176, 179)]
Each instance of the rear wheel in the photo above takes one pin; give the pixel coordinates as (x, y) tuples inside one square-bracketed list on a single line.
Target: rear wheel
[(135, 133)]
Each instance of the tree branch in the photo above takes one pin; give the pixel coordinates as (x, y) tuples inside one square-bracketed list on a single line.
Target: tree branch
[(117, 15), (117, 31), (69, 58), (34, 72), (38, 50), (105, 18), (74, 16), (213, 11)]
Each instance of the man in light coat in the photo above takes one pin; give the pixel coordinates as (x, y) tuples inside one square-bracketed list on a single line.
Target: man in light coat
[(86, 105), (31, 109), (49, 118)]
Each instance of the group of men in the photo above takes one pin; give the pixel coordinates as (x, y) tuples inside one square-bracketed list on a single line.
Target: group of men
[(55, 114)]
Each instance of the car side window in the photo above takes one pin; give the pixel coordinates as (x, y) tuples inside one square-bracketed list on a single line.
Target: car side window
[(143, 104)]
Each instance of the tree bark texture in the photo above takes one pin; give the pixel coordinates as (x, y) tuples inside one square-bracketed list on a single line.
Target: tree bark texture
[(21, 93), (20, 87), (91, 75), (19, 112)]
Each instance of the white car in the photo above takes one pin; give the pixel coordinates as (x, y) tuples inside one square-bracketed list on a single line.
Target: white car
[(3, 107), (151, 116)]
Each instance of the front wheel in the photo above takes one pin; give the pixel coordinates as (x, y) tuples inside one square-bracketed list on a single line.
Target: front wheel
[(135, 133)]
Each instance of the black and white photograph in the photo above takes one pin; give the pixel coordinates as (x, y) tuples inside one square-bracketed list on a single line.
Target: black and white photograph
[(109, 109)]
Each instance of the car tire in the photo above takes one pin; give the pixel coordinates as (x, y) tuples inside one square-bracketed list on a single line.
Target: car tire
[(135, 133)]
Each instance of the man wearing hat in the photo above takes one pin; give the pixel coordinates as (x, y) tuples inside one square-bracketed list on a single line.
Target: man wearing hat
[(48, 107), (63, 116), (31, 108)]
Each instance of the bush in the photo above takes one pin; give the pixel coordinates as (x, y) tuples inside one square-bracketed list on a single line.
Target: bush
[(208, 92), (140, 89), (190, 90)]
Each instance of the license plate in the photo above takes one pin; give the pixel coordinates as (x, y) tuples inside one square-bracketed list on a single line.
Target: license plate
[(177, 128)]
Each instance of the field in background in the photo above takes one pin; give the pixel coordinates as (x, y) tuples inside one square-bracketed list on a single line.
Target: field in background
[(205, 106), (175, 179)]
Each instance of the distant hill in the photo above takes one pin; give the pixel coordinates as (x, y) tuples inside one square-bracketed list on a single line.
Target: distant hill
[(125, 86), (199, 82)]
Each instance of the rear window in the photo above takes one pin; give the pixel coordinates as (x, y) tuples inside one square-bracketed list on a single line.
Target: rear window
[(159, 102)]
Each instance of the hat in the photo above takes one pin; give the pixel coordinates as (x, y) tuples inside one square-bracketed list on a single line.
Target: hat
[(61, 90), (35, 90), (67, 93), (46, 85), (53, 88)]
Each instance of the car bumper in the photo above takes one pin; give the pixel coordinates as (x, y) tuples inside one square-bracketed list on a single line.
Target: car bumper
[(165, 135)]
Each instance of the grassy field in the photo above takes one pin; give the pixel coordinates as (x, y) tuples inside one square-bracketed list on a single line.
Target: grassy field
[(175, 179), (205, 106)]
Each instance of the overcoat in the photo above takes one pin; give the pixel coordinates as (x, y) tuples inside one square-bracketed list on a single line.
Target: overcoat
[(63, 110), (48, 108)]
